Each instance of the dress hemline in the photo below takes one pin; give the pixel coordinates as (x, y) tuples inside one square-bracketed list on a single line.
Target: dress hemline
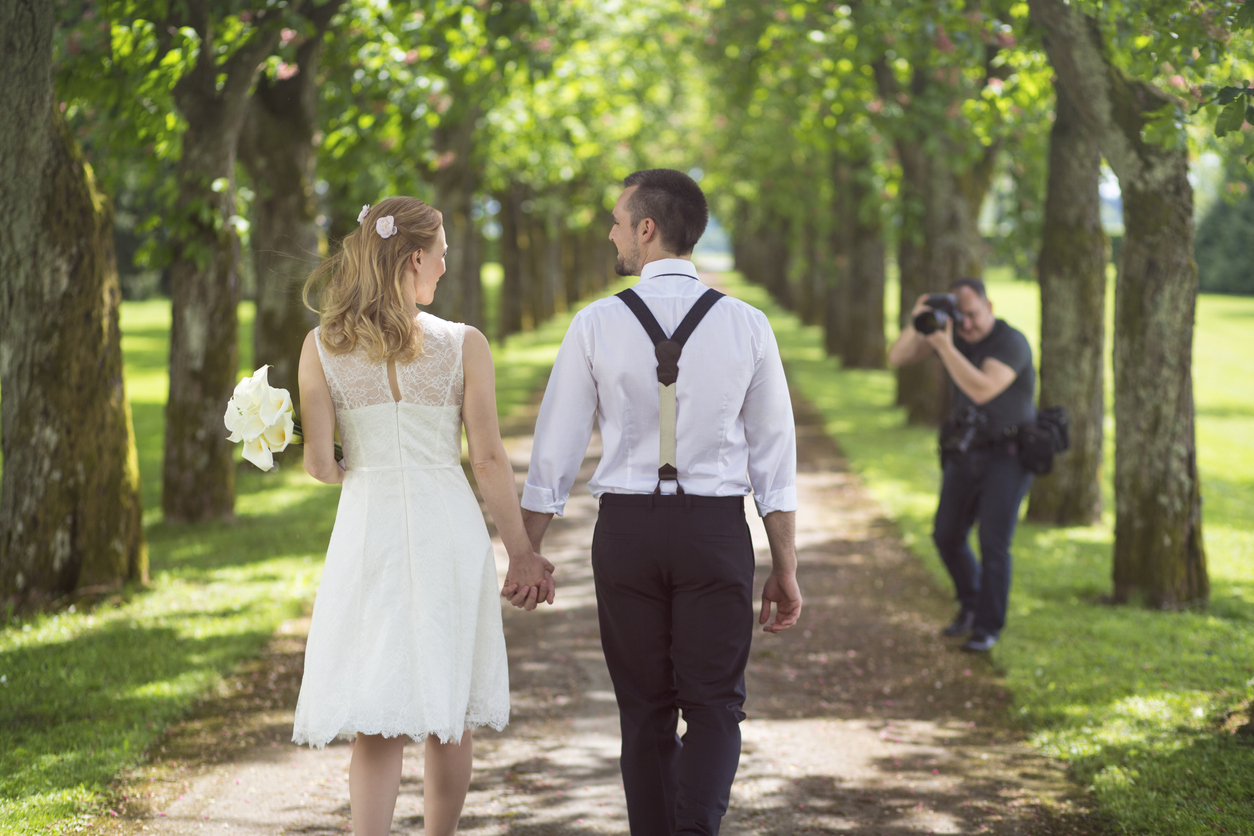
[(445, 735)]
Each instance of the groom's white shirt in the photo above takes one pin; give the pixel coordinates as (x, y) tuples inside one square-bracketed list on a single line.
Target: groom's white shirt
[(734, 423)]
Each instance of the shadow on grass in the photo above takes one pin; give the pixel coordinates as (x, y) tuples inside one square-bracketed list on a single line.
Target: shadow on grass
[(197, 550), (78, 710), (1205, 775)]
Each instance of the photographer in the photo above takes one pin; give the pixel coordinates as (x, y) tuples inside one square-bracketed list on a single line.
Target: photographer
[(990, 364)]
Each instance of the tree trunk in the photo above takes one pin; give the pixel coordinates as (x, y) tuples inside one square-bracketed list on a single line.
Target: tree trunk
[(841, 244), (537, 305), (863, 344), (511, 307), (70, 512), (569, 268), (552, 271), (598, 257), (277, 148), (940, 206), (921, 386), (777, 258), (198, 476), (543, 282), (1072, 269), (583, 261), (809, 295), (455, 183), (1159, 557)]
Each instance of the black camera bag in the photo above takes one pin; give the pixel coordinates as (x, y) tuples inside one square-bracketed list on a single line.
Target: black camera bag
[(1042, 439)]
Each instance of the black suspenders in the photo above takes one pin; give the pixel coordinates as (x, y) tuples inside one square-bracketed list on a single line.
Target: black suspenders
[(668, 351)]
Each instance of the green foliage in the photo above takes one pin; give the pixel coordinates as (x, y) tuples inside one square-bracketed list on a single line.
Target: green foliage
[(1223, 243), (119, 67), (1132, 700)]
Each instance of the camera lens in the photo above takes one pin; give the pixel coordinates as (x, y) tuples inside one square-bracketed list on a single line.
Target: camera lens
[(929, 321)]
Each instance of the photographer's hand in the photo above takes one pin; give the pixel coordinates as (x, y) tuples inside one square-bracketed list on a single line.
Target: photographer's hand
[(920, 305), (910, 346), (942, 338)]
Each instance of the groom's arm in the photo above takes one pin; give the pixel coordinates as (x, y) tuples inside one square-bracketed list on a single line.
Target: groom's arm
[(770, 431), (563, 427), (772, 437)]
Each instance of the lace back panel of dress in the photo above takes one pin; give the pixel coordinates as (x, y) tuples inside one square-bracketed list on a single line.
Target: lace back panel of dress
[(434, 378)]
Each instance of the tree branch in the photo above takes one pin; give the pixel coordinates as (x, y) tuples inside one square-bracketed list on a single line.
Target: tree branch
[(1110, 103)]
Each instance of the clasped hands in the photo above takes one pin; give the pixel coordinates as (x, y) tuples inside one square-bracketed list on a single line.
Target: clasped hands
[(529, 581)]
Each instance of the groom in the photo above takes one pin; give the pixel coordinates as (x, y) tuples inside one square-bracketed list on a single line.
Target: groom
[(689, 392)]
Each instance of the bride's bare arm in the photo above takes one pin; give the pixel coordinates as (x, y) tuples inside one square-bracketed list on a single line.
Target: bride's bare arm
[(529, 573), (317, 417)]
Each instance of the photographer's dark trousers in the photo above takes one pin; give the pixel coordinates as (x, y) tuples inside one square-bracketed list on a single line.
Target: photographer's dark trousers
[(674, 582), (985, 485)]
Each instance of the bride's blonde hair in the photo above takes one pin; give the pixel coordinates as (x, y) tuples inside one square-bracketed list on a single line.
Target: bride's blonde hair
[(361, 302)]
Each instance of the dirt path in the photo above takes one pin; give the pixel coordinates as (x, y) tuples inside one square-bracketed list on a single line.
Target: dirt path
[(861, 720)]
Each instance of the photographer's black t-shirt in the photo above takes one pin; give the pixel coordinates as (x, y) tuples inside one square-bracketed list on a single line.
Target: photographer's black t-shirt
[(1015, 405)]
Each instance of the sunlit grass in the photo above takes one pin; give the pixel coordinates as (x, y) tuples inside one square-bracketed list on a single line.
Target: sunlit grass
[(85, 694), (1131, 699)]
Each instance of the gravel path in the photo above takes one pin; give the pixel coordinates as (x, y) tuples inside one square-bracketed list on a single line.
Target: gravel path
[(861, 719)]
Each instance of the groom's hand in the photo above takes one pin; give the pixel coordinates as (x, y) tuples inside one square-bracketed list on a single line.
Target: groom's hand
[(529, 581), (781, 590)]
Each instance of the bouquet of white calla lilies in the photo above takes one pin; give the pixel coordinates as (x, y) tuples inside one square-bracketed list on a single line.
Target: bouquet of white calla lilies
[(262, 417)]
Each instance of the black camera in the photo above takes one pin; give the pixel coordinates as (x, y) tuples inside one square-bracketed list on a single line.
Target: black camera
[(944, 307)]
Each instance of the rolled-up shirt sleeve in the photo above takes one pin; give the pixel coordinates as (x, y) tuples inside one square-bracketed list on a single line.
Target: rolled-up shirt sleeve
[(563, 427), (770, 432)]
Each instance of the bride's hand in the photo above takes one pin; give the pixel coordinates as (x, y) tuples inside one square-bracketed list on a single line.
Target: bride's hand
[(529, 581)]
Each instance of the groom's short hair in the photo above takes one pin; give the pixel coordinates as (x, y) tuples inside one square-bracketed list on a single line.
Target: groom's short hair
[(675, 203)]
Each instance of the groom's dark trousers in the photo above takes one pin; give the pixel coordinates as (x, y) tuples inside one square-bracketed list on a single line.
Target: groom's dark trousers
[(674, 583)]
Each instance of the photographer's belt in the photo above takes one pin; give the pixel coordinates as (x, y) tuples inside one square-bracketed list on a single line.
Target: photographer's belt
[(668, 350)]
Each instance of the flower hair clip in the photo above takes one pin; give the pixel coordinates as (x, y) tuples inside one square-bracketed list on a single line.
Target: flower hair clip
[(385, 226), (361, 216)]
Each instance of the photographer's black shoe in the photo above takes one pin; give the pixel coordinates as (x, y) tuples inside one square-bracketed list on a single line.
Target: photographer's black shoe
[(980, 643), (961, 625)]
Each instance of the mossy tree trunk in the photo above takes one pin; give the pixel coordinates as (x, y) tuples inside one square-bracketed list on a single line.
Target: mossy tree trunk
[(920, 386), (511, 308), (572, 292), (277, 148), (551, 273), (1072, 272), (460, 294), (70, 513), (198, 477), (539, 302), (810, 286), (840, 241), (863, 345), (942, 188), (1159, 557)]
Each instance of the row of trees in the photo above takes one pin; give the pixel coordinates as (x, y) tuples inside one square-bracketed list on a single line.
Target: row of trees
[(877, 124), (257, 130), (832, 135)]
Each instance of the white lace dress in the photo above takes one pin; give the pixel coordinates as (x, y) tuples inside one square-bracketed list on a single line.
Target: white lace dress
[(406, 636)]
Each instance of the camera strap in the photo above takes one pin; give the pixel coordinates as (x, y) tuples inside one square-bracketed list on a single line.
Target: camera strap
[(668, 350)]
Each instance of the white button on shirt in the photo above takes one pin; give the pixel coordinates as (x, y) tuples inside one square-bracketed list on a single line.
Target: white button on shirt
[(734, 425)]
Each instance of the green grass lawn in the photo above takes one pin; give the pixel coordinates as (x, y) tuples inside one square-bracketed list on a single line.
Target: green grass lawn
[(84, 694), (1133, 700)]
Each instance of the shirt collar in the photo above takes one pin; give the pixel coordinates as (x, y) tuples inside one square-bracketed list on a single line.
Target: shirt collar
[(668, 266)]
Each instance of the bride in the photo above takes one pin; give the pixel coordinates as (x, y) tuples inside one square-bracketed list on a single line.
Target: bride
[(406, 637)]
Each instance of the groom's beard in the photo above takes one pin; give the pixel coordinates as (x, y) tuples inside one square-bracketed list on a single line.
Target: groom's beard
[(629, 264)]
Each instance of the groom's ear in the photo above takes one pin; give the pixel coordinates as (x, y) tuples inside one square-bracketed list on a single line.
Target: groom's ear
[(647, 229)]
